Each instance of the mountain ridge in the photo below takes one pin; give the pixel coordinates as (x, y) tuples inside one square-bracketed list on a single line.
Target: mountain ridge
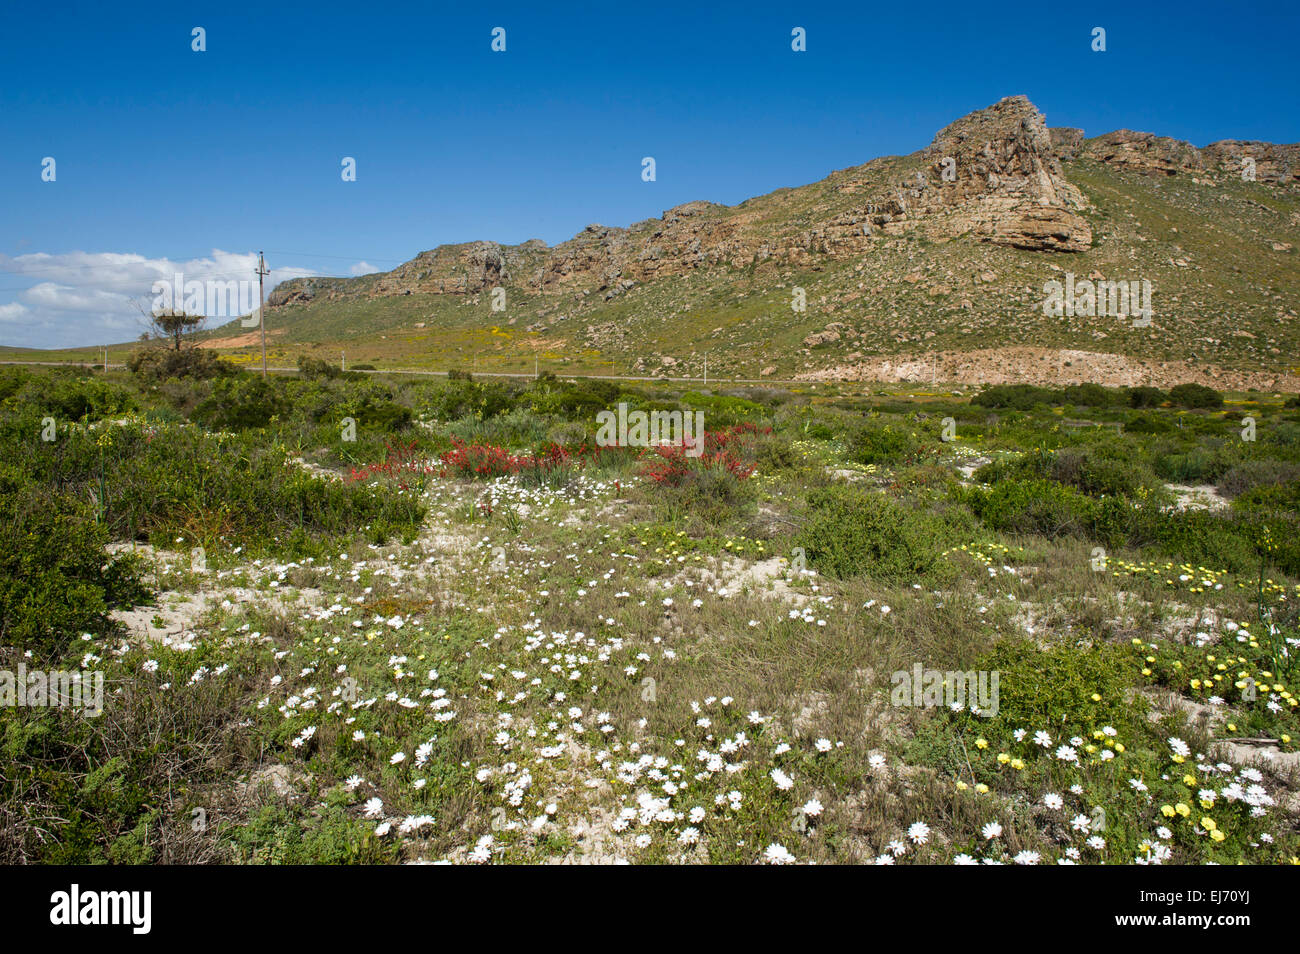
[(1019, 199)]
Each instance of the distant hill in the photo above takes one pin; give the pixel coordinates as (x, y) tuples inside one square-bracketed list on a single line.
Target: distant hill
[(931, 265)]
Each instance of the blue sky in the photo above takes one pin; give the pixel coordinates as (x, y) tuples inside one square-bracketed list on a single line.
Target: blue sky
[(168, 158)]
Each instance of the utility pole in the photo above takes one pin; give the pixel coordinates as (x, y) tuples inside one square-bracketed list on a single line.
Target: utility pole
[(261, 305), (344, 355), (105, 358), (706, 369)]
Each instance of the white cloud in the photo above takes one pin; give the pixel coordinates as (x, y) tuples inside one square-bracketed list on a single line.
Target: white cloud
[(82, 298), (362, 268), (14, 311)]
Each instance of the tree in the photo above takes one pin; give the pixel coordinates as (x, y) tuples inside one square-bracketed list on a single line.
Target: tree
[(174, 324)]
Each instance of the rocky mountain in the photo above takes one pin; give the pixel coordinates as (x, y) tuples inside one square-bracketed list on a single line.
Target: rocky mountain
[(931, 265)]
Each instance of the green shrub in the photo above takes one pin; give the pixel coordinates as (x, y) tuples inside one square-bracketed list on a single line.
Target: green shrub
[(1038, 686), (278, 835), (1043, 507), (317, 368), (1093, 470), (159, 364), (1021, 397), (1196, 466), (882, 444), (241, 402), (55, 580), (850, 532), (1196, 396), (1147, 424), (1145, 397), (1090, 395), (1250, 474)]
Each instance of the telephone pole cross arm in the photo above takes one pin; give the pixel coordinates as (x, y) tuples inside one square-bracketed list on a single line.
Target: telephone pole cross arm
[(261, 305)]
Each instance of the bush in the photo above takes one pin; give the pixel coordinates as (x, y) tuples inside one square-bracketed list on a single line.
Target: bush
[(1196, 396), (55, 581), (882, 444), (242, 402), (1090, 395), (850, 532), (1147, 424), (165, 480), (1145, 397), (1041, 686), (1196, 466), (1094, 471), (1257, 473), (1021, 397), (159, 364), (1033, 506), (572, 400), (462, 397), (317, 368)]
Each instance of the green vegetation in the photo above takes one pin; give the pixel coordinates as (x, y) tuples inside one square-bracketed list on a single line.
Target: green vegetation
[(346, 618)]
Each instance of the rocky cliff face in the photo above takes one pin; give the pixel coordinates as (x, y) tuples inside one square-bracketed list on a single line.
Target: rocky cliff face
[(1273, 162), (993, 175), (1144, 152), (1160, 155)]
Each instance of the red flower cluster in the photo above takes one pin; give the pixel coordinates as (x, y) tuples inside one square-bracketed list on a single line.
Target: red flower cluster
[(723, 450), (486, 460), (400, 462), (668, 463)]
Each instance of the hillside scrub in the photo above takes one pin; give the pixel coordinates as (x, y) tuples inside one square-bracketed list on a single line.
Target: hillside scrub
[(458, 628)]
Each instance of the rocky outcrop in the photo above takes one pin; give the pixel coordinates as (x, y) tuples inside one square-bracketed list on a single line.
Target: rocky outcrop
[(1067, 141), (1273, 162), (1008, 183), (1144, 152), (1149, 154), (993, 175)]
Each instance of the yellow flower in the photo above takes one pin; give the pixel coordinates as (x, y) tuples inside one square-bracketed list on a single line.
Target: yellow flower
[(981, 743), (1017, 764), (1167, 811), (1208, 823), (1182, 809), (982, 788), (1217, 835)]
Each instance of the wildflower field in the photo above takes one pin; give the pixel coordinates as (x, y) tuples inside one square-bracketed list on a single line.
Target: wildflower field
[(344, 618)]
